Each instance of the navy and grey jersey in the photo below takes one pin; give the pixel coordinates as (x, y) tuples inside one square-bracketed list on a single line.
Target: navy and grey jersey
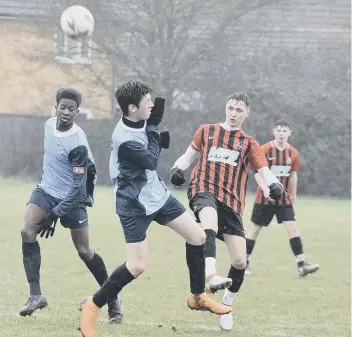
[(133, 162), (69, 171)]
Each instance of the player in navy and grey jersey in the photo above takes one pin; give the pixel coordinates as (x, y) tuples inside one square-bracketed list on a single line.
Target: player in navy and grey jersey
[(140, 198), (139, 190), (63, 192)]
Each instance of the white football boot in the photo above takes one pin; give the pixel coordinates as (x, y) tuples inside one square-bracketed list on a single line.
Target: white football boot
[(215, 282), (226, 320)]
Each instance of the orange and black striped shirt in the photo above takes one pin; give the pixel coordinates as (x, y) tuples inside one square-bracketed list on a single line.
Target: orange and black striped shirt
[(223, 164), (281, 163)]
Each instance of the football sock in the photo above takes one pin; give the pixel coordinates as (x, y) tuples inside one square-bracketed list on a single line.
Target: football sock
[(250, 245), (196, 266), (97, 267), (113, 285), (236, 275), (297, 249), (31, 263), (228, 297), (210, 252)]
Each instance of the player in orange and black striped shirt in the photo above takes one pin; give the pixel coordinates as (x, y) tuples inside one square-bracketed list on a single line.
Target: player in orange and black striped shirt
[(217, 190), (284, 162), (222, 168)]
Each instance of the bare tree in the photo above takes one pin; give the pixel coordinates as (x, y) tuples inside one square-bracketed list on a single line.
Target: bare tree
[(180, 47), (168, 43)]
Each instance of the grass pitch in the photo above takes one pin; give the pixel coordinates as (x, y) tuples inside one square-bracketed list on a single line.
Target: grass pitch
[(273, 302)]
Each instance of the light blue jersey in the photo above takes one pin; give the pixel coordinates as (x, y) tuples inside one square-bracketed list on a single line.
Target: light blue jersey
[(69, 171)]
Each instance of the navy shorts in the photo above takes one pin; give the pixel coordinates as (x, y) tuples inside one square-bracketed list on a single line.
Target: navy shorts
[(77, 219), (263, 214), (229, 222), (135, 226)]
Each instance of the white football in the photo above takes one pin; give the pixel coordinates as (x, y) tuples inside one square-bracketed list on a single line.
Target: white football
[(77, 21)]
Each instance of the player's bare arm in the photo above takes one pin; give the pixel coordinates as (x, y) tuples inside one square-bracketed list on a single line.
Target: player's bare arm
[(262, 185), (293, 186), (182, 164)]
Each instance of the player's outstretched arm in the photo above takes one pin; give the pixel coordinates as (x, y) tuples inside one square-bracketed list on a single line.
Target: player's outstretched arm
[(262, 185), (183, 163), (78, 192), (186, 160), (266, 177), (259, 165), (276, 189)]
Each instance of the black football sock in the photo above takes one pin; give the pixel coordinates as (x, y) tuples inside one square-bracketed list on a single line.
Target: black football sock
[(237, 276), (113, 285), (210, 252), (97, 267), (196, 266), (31, 263), (297, 249), (210, 244), (250, 246)]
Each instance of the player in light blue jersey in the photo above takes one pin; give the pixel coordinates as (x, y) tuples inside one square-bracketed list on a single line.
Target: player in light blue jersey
[(64, 191)]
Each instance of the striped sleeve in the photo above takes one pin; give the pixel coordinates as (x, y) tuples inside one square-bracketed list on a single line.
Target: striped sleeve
[(197, 143)]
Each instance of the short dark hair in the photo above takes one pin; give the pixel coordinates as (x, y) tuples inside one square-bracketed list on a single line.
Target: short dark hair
[(283, 123), (131, 92), (69, 93), (240, 96)]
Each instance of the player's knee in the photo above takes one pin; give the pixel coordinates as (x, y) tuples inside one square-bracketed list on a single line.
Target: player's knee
[(85, 253), (28, 233), (214, 227), (197, 240), (137, 268), (291, 228), (239, 263), (253, 231)]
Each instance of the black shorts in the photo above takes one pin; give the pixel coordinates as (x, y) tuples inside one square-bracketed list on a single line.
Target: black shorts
[(135, 227), (229, 222), (77, 219), (263, 214)]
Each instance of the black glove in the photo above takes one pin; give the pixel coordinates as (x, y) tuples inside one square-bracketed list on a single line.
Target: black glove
[(157, 111), (177, 177), (47, 225), (276, 191), (165, 139)]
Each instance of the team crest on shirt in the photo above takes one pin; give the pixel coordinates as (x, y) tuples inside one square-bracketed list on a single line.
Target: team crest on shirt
[(238, 146), (288, 161)]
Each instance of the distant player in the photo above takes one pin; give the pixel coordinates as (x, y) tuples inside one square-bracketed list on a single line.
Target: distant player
[(64, 191), (217, 191), (142, 197), (284, 162)]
